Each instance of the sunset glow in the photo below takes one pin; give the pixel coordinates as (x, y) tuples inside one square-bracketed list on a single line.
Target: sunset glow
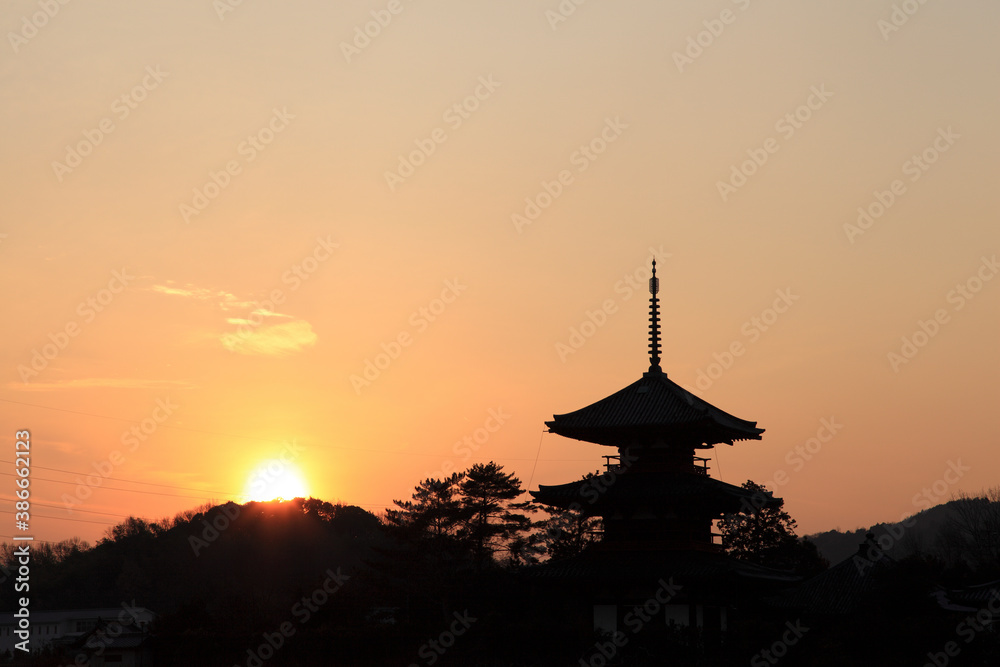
[(275, 480), (405, 247)]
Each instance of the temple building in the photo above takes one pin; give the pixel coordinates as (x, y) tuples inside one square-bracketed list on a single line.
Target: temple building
[(658, 504)]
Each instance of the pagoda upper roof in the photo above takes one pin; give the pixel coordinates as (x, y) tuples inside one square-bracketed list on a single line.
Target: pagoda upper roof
[(653, 408)]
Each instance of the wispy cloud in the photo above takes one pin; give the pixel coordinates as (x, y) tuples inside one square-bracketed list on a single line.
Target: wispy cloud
[(274, 340), (192, 292), (226, 300), (255, 333), (263, 312)]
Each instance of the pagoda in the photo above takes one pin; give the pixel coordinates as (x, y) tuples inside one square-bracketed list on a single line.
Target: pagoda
[(656, 499)]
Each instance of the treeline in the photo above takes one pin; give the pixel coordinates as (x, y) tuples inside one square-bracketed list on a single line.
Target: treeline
[(222, 577), (962, 536), (443, 577)]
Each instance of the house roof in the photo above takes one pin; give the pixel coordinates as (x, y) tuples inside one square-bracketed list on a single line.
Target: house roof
[(653, 407), (842, 588), (968, 598)]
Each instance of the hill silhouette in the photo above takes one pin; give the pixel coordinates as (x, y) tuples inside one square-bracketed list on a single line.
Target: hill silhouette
[(230, 572), (964, 533), (353, 588)]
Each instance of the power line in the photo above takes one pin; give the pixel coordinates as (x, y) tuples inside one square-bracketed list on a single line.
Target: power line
[(253, 437), (127, 481), (62, 507), (112, 488), (63, 518), (537, 454)]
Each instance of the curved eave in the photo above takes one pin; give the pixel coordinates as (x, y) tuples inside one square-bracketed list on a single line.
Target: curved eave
[(644, 489), (653, 407), (702, 435)]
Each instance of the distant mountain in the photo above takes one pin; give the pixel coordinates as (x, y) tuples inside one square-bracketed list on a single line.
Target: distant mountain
[(938, 531), (233, 562)]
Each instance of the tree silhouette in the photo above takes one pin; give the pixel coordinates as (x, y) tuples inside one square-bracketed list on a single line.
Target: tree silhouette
[(435, 512), (493, 522), (767, 537), (472, 512), (569, 531), (971, 534)]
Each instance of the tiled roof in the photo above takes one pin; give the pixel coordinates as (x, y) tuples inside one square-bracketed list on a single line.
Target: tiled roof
[(653, 406), (969, 598), (650, 489), (840, 589)]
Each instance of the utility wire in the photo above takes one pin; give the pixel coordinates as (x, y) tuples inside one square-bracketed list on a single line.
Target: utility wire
[(112, 488), (259, 439)]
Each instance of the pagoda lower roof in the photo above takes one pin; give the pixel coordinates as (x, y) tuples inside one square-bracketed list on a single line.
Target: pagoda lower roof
[(652, 489), (653, 408)]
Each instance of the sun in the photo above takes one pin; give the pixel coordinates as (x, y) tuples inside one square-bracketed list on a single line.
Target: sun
[(275, 480)]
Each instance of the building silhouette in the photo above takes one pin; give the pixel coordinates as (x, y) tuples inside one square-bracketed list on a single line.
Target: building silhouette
[(658, 504)]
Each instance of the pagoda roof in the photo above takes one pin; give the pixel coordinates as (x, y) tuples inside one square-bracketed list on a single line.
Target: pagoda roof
[(636, 488), (653, 407)]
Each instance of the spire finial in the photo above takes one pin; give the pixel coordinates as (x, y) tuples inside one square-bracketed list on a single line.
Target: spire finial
[(654, 323)]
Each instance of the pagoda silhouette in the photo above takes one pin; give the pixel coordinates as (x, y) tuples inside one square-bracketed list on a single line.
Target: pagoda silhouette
[(657, 503)]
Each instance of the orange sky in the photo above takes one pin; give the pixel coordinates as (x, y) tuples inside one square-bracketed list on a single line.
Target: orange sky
[(215, 219)]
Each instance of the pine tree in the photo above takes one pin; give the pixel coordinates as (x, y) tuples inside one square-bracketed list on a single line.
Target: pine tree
[(435, 512), (767, 537), (493, 522)]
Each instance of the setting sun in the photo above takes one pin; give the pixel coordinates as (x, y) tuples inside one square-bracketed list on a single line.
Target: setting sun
[(275, 479)]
